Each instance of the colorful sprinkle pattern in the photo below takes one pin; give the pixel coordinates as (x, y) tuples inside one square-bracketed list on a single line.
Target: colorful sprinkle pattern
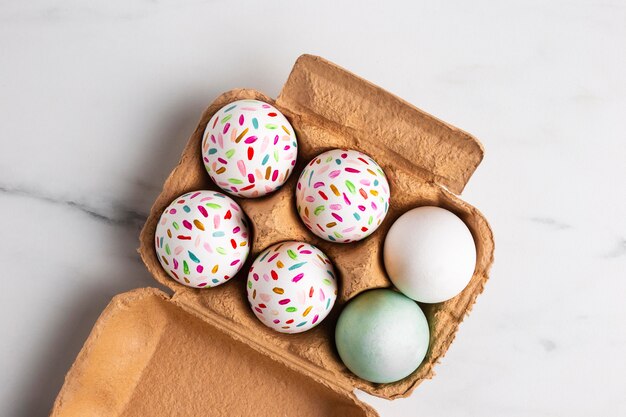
[(342, 195), (202, 239), (291, 287), (249, 148)]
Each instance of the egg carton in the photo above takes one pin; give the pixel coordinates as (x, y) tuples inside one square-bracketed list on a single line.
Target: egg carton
[(202, 351)]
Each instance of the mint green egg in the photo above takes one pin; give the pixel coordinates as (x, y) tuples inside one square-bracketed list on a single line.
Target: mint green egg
[(382, 336)]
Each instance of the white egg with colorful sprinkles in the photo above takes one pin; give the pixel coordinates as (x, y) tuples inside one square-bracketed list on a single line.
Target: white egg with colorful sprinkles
[(291, 287), (342, 195), (202, 239), (249, 148)]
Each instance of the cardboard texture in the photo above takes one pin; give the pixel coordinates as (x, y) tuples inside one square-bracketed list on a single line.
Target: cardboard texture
[(203, 352)]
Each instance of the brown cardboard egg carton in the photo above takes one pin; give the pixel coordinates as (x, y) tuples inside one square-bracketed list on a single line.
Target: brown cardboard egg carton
[(202, 351)]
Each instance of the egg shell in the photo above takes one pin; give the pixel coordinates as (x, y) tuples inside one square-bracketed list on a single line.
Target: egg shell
[(382, 336), (249, 148), (342, 195), (429, 254), (202, 239), (291, 287)]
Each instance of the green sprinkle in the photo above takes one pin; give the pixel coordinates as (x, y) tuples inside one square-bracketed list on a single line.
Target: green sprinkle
[(338, 235), (271, 126), (291, 254), (185, 267), (227, 118), (213, 205), (351, 187), (371, 219), (221, 251), (276, 154), (230, 153), (176, 226), (235, 181), (293, 309), (193, 257), (319, 209), (326, 281), (250, 286), (167, 249)]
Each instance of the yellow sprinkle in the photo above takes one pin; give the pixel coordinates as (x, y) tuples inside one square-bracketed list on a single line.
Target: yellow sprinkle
[(215, 268)]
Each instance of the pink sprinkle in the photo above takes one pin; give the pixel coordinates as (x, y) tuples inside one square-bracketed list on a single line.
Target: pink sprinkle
[(374, 205), (208, 248), (222, 160), (297, 277), (334, 174), (345, 198), (241, 120), (352, 170), (275, 175), (315, 319), (235, 262), (336, 216), (284, 301), (276, 321), (318, 184), (199, 268), (251, 178), (173, 211), (275, 139), (242, 167), (250, 139), (187, 224), (305, 252), (202, 284), (216, 221), (195, 195), (203, 211), (213, 139), (310, 198), (322, 295), (236, 230), (362, 208), (365, 182), (175, 264), (335, 206), (272, 257), (255, 276), (226, 127)]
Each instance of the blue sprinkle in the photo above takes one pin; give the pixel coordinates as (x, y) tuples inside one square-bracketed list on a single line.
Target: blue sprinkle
[(212, 151), (265, 159), (303, 323), (356, 216), (338, 161), (218, 234), (230, 108), (255, 123), (187, 209)]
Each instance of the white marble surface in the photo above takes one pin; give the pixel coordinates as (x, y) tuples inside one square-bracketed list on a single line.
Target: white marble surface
[(98, 99)]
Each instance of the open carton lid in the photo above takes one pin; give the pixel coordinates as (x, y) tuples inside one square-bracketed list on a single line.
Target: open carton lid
[(202, 352)]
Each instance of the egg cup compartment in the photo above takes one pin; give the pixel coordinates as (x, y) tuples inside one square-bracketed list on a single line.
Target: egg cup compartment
[(422, 157)]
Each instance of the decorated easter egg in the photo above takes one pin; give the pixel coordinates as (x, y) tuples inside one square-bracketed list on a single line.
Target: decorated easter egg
[(249, 148), (382, 336), (202, 239), (429, 254), (342, 195), (291, 287)]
